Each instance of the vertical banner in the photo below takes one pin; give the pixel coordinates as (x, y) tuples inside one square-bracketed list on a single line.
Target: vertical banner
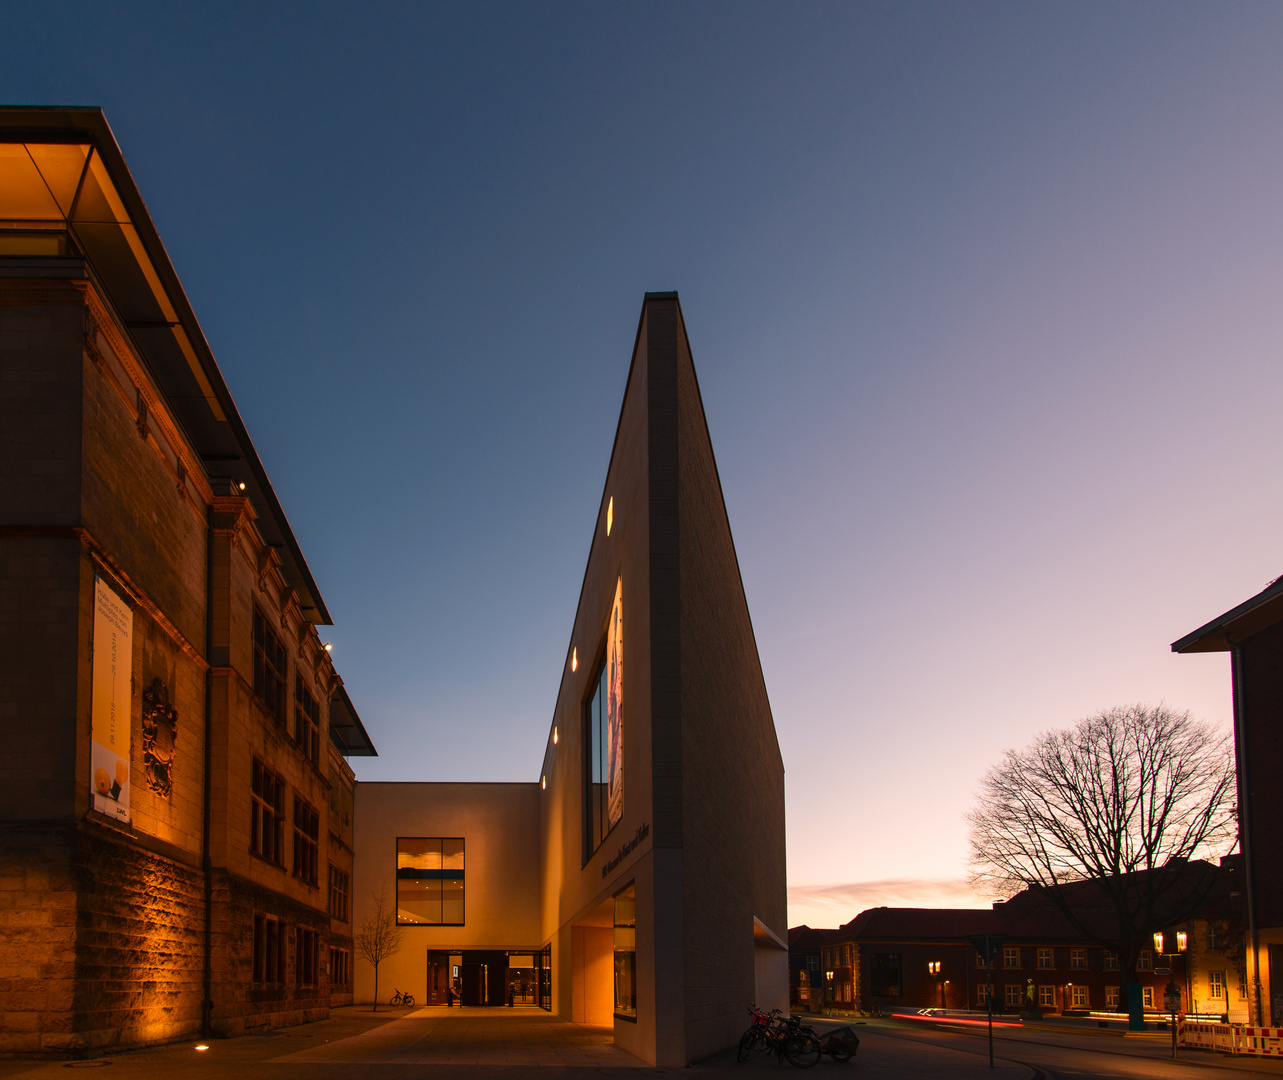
[(110, 712), (614, 708)]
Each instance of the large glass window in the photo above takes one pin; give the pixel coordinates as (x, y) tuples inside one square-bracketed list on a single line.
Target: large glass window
[(429, 881), (884, 974), (268, 966), (603, 738), (626, 953), (307, 720), (307, 833)]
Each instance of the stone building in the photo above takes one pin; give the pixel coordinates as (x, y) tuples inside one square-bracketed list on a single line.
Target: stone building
[(639, 881), (176, 843)]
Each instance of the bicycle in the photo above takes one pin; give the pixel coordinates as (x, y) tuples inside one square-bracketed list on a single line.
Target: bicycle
[(399, 998), (789, 1038)]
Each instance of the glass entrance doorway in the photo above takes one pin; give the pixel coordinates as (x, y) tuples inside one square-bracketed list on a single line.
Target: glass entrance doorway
[(490, 977)]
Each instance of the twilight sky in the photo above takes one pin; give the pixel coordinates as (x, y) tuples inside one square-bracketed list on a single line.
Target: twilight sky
[(986, 302)]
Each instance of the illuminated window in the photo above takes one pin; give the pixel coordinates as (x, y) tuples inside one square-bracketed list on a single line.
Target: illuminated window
[(1147, 997), (268, 966), (1077, 958), (429, 881), (1111, 997), (304, 956), (1011, 956), (982, 994), (1216, 984), (269, 669), (1080, 997), (1144, 960), (1047, 996), (1046, 960), (626, 953), (267, 815), (307, 826), (307, 720), (340, 886), (885, 974), (1013, 993)]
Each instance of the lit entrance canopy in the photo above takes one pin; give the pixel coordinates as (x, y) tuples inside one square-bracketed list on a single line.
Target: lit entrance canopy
[(65, 191)]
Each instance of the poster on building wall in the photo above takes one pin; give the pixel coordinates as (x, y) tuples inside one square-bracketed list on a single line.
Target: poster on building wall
[(110, 705), (614, 708)]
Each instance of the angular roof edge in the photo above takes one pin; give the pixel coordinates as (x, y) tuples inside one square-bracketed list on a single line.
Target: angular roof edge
[(30, 124), (1253, 615)]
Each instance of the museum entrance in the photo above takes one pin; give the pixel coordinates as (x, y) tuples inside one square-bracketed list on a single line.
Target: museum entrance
[(490, 977)]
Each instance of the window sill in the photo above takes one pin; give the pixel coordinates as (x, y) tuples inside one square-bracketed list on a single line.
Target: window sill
[(266, 861)]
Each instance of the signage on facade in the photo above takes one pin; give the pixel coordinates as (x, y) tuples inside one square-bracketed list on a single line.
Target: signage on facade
[(614, 708), (643, 831), (109, 708)]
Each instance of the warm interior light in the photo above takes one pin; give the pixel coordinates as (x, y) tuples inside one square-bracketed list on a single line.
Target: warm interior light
[(1181, 939), (202, 1046), (574, 659), (610, 514), (543, 783), (554, 736), (1158, 942)]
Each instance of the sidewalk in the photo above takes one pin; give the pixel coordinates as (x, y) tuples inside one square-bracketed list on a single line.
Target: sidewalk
[(484, 1044)]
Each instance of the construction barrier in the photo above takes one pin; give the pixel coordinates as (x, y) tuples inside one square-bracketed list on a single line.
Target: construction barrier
[(1266, 1042), (1231, 1038), (1201, 1035)]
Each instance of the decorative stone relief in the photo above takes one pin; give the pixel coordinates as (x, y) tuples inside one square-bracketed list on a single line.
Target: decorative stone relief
[(160, 737)]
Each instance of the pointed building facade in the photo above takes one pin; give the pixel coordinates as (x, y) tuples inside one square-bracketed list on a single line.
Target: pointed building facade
[(640, 881)]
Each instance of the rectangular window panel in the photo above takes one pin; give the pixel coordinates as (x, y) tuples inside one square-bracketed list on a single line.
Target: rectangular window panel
[(626, 952), (982, 995), (1111, 961), (1011, 956), (1080, 997), (340, 885), (1013, 993), (269, 669), (1077, 958), (1144, 961), (1147, 997), (305, 941), (884, 974), (307, 721), (429, 881), (267, 965), (603, 738), (1111, 997), (267, 814), (1047, 996), (1216, 984), (307, 826), (1045, 959)]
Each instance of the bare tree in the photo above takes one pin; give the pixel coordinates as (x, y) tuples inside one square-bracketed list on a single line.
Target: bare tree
[(1125, 799), (379, 936)]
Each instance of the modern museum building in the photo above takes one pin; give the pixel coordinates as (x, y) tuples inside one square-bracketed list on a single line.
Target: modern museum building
[(185, 849)]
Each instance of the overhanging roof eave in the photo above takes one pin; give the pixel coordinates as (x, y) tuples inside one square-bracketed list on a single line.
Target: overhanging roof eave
[(1251, 616)]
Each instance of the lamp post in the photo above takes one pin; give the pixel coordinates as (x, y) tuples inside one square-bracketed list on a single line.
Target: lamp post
[(933, 966), (1171, 992)]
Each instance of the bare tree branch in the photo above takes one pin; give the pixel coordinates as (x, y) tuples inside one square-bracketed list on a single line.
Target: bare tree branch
[(379, 937), (1111, 800)]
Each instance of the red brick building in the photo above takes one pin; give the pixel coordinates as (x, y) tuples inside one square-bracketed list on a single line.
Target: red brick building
[(175, 806)]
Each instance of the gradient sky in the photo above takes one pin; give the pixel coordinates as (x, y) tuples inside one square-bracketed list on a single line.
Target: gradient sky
[(986, 302)]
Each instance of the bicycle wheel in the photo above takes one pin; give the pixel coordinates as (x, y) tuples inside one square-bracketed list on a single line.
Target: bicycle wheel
[(803, 1051), (407, 999), (840, 1053)]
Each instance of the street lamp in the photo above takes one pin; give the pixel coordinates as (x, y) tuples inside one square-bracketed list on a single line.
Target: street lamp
[(1171, 992), (933, 966)]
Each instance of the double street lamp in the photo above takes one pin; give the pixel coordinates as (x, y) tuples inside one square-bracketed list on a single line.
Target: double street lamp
[(933, 966), (1172, 992)]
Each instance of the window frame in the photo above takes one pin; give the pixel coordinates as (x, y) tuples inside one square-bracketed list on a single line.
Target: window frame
[(1011, 957), (267, 811), (1047, 995), (307, 841), (1013, 993), (269, 678), (1078, 959), (457, 874), (307, 720), (339, 893), (306, 955), (1049, 955), (624, 904), (1216, 986), (1147, 997), (1080, 991), (268, 947)]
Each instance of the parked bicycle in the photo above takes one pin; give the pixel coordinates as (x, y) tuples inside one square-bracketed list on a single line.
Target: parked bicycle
[(399, 998), (787, 1037)]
